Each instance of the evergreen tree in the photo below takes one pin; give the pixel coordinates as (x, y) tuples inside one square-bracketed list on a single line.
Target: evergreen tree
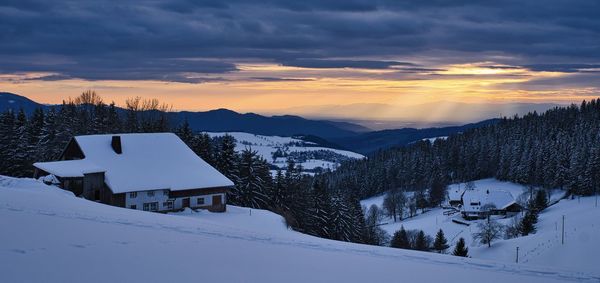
[(437, 192), (541, 201), (461, 248), (250, 190), (227, 158), (184, 132), (440, 244), (322, 209), (400, 239), (421, 243), (7, 141), (528, 223), (277, 196)]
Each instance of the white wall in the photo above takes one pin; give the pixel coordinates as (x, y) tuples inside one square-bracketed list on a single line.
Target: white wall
[(142, 197), (160, 197)]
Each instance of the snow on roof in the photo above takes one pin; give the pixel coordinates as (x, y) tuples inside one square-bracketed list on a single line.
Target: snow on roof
[(475, 200), (69, 168), (149, 161), (455, 193)]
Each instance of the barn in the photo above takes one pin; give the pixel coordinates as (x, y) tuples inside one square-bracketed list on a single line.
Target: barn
[(145, 171)]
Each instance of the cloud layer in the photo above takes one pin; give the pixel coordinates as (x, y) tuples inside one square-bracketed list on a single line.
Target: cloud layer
[(180, 40)]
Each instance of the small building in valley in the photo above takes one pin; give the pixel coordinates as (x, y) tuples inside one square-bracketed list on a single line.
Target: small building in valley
[(147, 171), (479, 203)]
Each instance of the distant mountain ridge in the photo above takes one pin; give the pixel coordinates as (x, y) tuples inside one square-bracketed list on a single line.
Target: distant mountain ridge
[(343, 135), (224, 120), (367, 143), (15, 102)]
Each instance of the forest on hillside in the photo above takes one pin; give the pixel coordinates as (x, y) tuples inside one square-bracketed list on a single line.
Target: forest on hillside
[(556, 149)]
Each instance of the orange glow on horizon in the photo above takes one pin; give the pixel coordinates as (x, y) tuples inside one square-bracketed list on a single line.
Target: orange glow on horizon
[(298, 88)]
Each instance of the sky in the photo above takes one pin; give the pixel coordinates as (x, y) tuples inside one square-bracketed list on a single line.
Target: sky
[(381, 60)]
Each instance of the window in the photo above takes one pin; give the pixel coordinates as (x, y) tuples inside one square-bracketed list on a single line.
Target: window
[(150, 193), (151, 206), (168, 204), (133, 206), (200, 201), (133, 195), (166, 192)]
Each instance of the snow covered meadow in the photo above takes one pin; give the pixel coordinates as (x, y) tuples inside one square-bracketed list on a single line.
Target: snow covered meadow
[(308, 154), (51, 236), (579, 253)]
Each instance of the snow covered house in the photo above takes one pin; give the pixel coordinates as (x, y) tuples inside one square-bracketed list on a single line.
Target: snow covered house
[(151, 171), (478, 203), (455, 196)]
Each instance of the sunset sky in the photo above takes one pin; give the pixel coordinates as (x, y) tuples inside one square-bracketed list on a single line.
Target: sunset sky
[(296, 57)]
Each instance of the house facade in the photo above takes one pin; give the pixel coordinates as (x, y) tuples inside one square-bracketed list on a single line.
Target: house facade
[(150, 171)]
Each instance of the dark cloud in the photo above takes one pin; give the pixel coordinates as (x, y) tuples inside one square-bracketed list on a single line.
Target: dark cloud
[(274, 79), (565, 68), (329, 64), (128, 39)]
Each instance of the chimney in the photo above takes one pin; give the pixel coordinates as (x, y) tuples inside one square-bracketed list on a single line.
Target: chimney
[(116, 144)]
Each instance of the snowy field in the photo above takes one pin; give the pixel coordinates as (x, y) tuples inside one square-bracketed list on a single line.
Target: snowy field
[(581, 251), (51, 236), (267, 145)]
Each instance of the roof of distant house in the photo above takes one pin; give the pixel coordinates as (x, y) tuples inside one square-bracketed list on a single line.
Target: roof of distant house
[(148, 161), (476, 200)]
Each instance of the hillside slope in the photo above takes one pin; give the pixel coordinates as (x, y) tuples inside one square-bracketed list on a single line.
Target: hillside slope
[(15, 102), (55, 237), (276, 150), (366, 143), (581, 252)]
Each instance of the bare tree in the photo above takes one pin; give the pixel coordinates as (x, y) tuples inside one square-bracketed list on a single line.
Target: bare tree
[(394, 203), (147, 115), (88, 97), (489, 231)]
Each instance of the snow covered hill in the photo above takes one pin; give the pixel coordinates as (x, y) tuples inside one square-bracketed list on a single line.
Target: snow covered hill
[(581, 251), (51, 236), (276, 150)]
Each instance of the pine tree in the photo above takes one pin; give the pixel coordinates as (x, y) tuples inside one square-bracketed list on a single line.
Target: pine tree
[(400, 239), (358, 221), (202, 145), (421, 243), (322, 209), (277, 196), (541, 201), (21, 154), (7, 141), (440, 244), (461, 248), (184, 132), (251, 187), (437, 192), (528, 223), (227, 158)]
